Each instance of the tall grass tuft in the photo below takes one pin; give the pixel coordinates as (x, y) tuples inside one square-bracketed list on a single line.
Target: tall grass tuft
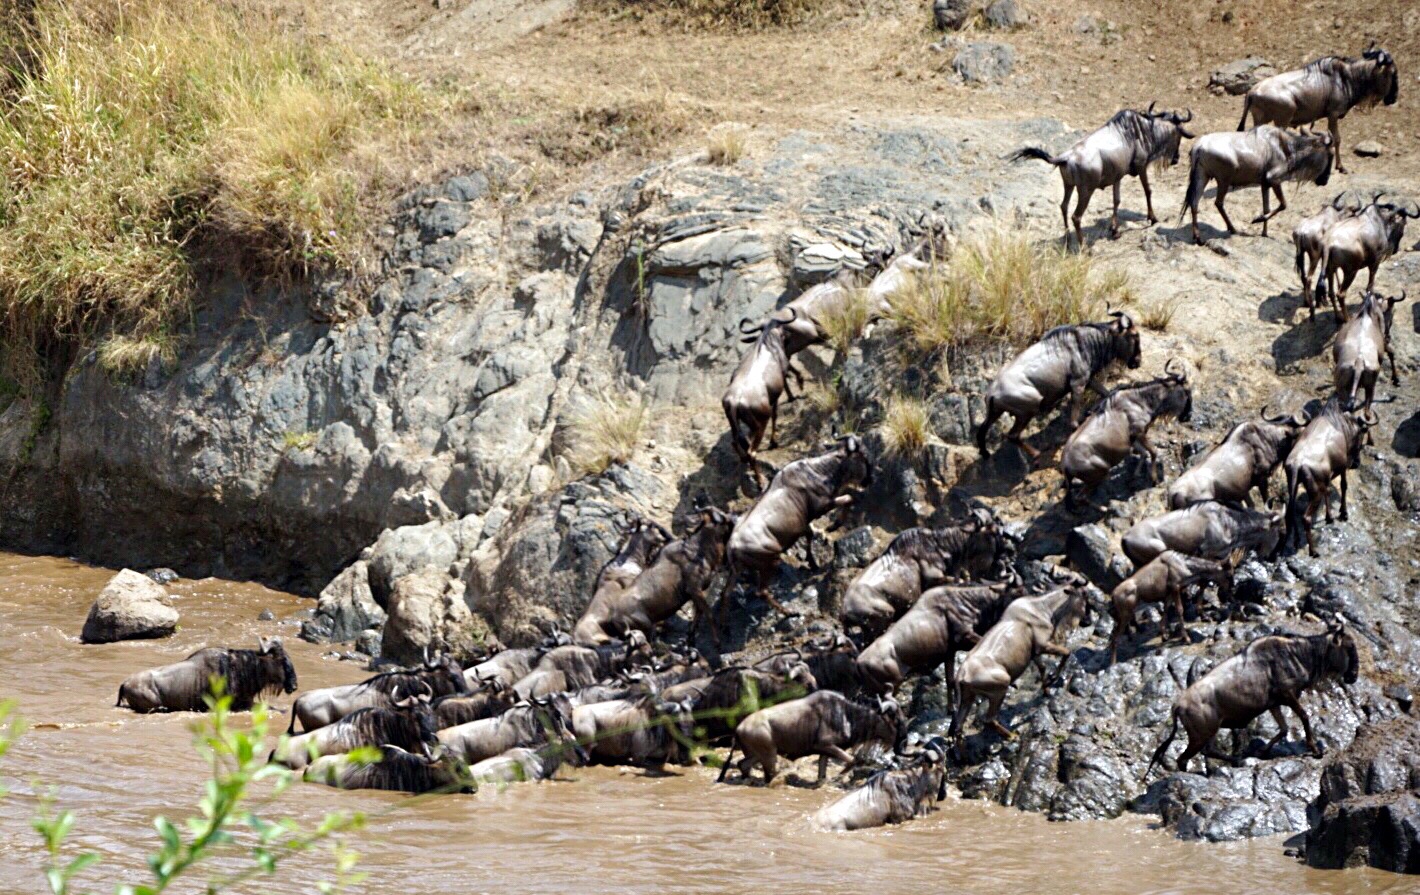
[(142, 135), (127, 356), (906, 427), (843, 323), (725, 144), (603, 431), (1000, 287)]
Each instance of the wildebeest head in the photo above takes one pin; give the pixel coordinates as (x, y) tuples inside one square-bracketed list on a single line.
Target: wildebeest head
[(448, 668), (896, 719), (1342, 659), (712, 523), (1312, 156), (1178, 400), (1168, 128), (272, 651), (1385, 77), (856, 467), (1126, 339)]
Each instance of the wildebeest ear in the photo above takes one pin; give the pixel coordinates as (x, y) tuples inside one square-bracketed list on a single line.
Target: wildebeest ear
[(262, 644)]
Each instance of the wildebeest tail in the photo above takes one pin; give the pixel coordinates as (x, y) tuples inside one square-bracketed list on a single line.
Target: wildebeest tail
[(1034, 152), (1247, 107), (1163, 747), (1197, 182), (1299, 258), (738, 437), (122, 695), (291, 728), (1320, 291), (981, 432)]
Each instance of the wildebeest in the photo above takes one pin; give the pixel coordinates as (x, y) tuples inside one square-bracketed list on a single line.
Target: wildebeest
[(751, 401), (1269, 673), (1356, 354), (646, 730), (506, 667), (1328, 447), (539, 722), (1209, 529), (572, 667), (1028, 630), (408, 724), (814, 305), (832, 660), (1327, 88), (1365, 240), (520, 765), (720, 701), (1127, 145), (679, 574), (1163, 580), (247, 675), (396, 770), (1118, 426), (460, 708), (801, 492), (920, 558), (1243, 460), (1309, 241), (642, 544), (1264, 157), (943, 620), (825, 723), (1060, 365), (891, 797), (317, 708)]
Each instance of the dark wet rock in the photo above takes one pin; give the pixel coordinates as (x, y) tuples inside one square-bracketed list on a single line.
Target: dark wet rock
[(130, 607), (984, 62), (346, 608), (1368, 807), (1090, 552), (1238, 76), (855, 549), (162, 576)]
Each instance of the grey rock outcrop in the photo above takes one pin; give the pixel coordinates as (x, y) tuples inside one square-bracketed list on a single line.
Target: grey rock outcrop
[(1368, 808), (427, 612), (346, 607), (1239, 76), (984, 62), (130, 607)]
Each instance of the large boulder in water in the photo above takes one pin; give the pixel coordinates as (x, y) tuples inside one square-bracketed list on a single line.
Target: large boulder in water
[(130, 607), (1368, 810), (347, 606)]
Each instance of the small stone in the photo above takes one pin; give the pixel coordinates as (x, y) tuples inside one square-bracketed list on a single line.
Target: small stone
[(131, 606), (266, 616), (1086, 25), (1368, 149), (162, 575), (1005, 15), (984, 62), (1238, 76), (951, 15)]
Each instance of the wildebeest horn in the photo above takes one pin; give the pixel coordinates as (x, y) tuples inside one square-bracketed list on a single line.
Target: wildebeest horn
[(1168, 367), (752, 329), (1187, 116), (1368, 416), (1150, 111), (1279, 419)]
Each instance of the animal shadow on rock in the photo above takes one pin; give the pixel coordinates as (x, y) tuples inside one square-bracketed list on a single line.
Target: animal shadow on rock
[(1304, 340), (1406, 441)]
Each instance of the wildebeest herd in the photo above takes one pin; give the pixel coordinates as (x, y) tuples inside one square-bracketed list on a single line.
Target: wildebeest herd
[(616, 692)]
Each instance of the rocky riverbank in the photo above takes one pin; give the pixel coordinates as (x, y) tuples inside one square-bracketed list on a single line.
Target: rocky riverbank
[(402, 454)]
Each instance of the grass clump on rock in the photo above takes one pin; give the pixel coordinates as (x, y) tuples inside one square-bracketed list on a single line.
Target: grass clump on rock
[(906, 427), (138, 137), (603, 431), (1001, 287)]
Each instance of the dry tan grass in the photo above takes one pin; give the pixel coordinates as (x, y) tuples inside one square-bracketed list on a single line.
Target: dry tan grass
[(1157, 315), (602, 431), (726, 144), (843, 325), (1001, 287), (125, 356), (144, 134), (906, 427), (637, 125)]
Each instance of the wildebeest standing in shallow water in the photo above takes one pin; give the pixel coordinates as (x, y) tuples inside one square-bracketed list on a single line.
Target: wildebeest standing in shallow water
[(397, 770), (317, 708), (825, 723), (1269, 673), (182, 686), (408, 724)]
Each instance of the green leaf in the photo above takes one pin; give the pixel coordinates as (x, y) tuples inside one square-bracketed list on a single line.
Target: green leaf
[(57, 885), (168, 832), (81, 863)]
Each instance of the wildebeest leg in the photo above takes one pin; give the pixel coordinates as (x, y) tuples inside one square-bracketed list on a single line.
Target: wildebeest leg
[(774, 423), (1394, 376), (1282, 730), (1065, 212), (1178, 605), (1343, 494), (1148, 194), (1114, 216), (1347, 279), (993, 705), (1014, 437), (1218, 203), (1296, 707), (834, 752), (1156, 466), (1079, 215), (1193, 749), (1266, 208), (1334, 125), (1371, 277), (1309, 520)]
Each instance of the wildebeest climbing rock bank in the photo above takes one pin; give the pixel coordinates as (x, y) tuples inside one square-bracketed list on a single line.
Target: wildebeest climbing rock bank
[(397, 445)]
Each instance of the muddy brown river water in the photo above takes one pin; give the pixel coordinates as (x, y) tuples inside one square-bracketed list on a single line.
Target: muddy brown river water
[(596, 830)]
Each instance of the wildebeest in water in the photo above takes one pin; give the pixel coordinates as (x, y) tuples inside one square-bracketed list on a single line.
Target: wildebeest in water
[(184, 686)]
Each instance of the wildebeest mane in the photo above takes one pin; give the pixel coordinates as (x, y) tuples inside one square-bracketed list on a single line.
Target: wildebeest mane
[(402, 771), (247, 675), (1137, 129)]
